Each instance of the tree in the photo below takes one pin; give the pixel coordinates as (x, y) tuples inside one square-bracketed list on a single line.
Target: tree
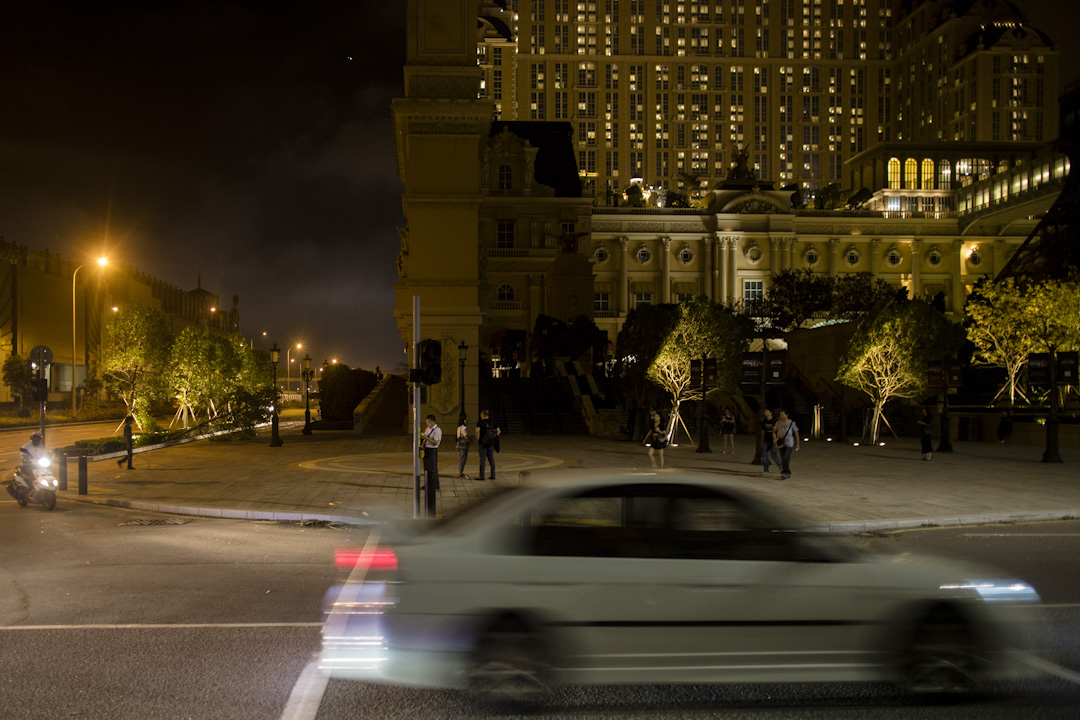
[(703, 329), (795, 296), (856, 293), (888, 354), (341, 389), (17, 376), (135, 358), (645, 330), (998, 327), (1054, 316), (204, 374)]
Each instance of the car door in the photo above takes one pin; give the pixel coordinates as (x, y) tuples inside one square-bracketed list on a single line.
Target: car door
[(747, 601)]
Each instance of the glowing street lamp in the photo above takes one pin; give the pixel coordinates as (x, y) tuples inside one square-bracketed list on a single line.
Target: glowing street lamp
[(102, 262), (288, 367)]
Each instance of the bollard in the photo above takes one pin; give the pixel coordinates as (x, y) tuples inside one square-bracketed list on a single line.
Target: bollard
[(61, 469), (82, 474)]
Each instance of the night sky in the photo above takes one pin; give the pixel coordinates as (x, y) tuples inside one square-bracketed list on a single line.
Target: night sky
[(249, 143)]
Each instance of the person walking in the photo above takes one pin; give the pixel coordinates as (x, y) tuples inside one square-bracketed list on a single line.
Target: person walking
[(656, 441), (463, 442), (432, 437), (926, 433), (1005, 426), (768, 442), (786, 438), (487, 441), (128, 444), (727, 430)]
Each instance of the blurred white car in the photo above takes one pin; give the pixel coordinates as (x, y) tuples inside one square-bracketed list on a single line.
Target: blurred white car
[(654, 578)]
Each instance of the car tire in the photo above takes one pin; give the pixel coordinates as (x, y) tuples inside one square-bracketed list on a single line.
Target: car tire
[(942, 657), (510, 667)]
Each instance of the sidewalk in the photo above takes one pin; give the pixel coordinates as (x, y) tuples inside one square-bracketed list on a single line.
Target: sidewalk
[(341, 477)]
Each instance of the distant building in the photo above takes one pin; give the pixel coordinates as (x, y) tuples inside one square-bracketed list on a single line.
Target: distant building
[(909, 140), (36, 307)]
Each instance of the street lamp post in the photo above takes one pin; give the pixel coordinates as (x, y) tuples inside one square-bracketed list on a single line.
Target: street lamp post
[(275, 438), (308, 374), (463, 351), (101, 263), (288, 367)]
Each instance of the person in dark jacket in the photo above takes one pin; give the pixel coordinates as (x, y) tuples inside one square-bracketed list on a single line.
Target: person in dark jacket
[(128, 443), (487, 438)]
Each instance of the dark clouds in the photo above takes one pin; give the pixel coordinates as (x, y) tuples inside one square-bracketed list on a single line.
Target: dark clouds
[(236, 141)]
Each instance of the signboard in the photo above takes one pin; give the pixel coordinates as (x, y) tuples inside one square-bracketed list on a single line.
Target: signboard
[(695, 373), (1066, 368), (710, 372), (1039, 369), (40, 357), (696, 370), (776, 368), (935, 374), (751, 369)]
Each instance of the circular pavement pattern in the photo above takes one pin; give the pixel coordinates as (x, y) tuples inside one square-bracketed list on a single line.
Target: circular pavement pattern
[(401, 463)]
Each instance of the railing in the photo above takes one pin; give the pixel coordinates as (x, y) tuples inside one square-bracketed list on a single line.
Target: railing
[(507, 252), (605, 313), (506, 305)]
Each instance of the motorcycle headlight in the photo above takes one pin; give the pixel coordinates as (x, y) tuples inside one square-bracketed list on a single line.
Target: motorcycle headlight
[(43, 462), (56, 483)]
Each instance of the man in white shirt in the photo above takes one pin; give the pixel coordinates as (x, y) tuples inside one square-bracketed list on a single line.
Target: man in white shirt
[(786, 435), (432, 437)]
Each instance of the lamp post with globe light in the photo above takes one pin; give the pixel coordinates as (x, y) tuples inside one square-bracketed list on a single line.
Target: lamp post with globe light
[(102, 262), (275, 438), (307, 375), (288, 367)]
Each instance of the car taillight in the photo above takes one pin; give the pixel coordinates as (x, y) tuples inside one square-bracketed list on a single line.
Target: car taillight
[(378, 560)]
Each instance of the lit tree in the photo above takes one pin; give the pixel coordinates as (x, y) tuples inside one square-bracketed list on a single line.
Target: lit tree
[(1054, 316), (704, 329), (217, 377), (999, 327), (888, 354), (134, 358), (639, 340)]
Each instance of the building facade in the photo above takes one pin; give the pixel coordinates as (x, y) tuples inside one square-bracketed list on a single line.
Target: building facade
[(931, 121)]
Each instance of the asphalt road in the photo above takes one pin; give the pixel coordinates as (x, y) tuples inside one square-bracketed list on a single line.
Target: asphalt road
[(219, 619)]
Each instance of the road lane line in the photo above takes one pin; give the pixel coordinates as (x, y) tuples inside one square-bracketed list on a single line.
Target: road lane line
[(1053, 669), (153, 626), (307, 693)]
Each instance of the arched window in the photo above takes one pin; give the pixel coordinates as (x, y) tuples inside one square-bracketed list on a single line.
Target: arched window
[(927, 177), (894, 174), (944, 175), (911, 173), (506, 178), (505, 292)]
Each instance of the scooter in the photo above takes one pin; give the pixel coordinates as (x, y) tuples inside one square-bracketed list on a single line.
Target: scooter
[(43, 485)]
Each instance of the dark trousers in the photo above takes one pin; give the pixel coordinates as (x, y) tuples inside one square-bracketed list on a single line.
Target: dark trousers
[(768, 450), (431, 466), (785, 455), (463, 455), (487, 453)]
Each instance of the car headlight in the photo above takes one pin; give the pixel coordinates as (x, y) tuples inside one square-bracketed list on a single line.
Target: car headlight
[(999, 591)]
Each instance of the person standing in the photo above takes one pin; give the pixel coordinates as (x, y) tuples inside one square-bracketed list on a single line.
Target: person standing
[(727, 430), (128, 444), (1005, 426), (786, 438), (432, 437), (656, 441), (926, 433), (487, 441), (768, 442), (462, 444)]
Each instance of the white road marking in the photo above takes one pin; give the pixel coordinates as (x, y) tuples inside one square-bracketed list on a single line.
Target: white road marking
[(1021, 535), (154, 626), (1053, 669), (306, 694)]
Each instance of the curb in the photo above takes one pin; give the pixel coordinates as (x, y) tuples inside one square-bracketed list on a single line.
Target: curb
[(224, 513), (837, 528)]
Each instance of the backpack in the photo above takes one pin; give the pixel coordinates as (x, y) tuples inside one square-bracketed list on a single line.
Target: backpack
[(491, 434)]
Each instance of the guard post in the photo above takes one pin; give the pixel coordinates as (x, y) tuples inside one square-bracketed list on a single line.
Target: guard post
[(82, 474), (61, 469)]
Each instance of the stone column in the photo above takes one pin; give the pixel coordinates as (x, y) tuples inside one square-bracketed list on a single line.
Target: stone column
[(707, 272), (733, 268), (789, 251), (834, 256), (776, 261), (722, 272), (999, 255), (624, 282), (875, 256), (665, 270), (958, 290), (916, 269)]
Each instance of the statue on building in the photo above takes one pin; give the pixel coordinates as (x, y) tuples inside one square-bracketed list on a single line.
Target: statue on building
[(741, 169), (403, 254), (568, 241)]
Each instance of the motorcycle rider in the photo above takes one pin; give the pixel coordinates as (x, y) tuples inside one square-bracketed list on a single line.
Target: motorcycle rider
[(30, 453)]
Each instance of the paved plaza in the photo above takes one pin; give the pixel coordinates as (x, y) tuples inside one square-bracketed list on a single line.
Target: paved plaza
[(342, 477)]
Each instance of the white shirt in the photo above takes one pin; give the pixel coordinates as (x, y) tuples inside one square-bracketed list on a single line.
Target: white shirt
[(432, 437)]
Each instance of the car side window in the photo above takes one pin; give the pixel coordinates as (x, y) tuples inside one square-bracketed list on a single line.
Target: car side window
[(580, 526), (715, 527)]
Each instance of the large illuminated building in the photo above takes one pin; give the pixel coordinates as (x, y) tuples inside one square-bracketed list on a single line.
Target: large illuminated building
[(911, 140)]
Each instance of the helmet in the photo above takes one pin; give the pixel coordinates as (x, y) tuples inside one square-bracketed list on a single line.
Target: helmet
[(36, 438)]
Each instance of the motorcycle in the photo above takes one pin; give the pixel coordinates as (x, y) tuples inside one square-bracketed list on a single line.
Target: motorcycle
[(42, 485)]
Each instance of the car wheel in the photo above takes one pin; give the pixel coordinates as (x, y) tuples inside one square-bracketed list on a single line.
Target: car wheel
[(942, 657), (509, 667)]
